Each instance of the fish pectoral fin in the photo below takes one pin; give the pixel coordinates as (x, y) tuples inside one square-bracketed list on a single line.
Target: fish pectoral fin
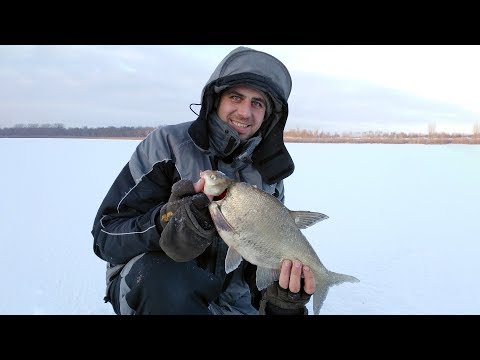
[(232, 260), (266, 276), (304, 219), (219, 220)]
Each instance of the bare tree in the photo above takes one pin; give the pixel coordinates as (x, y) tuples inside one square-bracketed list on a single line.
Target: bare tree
[(476, 130)]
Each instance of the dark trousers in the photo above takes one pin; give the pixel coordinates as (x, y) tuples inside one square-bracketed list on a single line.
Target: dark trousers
[(156, 284)]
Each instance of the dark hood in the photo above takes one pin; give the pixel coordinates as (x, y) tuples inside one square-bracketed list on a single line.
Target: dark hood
[(266, 73)]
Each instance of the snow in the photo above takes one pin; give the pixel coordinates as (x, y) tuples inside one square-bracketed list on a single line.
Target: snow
[(402, 218)]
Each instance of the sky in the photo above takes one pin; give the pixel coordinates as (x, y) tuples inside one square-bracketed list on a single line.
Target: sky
[(336, 88), (403, 219)]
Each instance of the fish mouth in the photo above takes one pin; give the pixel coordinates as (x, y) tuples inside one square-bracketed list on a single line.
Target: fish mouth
[(219, 198)]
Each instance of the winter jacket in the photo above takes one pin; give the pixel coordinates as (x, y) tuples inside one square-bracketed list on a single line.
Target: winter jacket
[(125, 226)]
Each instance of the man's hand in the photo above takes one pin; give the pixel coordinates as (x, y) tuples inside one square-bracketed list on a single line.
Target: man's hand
[(199, 185), (184, 222), (286, 296), (291, 275)]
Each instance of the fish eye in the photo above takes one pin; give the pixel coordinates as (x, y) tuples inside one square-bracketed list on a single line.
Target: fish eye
[(213, 177)]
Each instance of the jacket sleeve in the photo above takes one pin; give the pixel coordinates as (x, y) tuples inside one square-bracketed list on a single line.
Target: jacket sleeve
[(124, 226)]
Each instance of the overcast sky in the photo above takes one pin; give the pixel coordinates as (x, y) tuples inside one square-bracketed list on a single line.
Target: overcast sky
[(335, 88)]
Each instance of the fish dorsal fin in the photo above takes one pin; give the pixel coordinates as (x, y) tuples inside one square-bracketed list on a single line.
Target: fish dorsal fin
[(232, 260), (304, 219), (266, 277)]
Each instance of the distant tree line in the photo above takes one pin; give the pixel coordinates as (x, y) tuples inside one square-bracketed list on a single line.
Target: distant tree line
[(59, 130), (380, 137), (297, 135)]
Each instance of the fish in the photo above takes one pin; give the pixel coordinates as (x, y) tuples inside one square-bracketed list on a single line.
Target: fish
[(259, 228)]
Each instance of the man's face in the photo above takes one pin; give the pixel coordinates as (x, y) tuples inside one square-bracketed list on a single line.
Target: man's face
[(243, 108)]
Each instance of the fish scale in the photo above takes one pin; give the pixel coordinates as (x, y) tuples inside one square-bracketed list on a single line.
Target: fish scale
[(259, 228), (278, 238)]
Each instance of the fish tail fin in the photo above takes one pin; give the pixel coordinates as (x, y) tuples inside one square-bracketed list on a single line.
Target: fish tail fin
[(337, 278), (322, 288)]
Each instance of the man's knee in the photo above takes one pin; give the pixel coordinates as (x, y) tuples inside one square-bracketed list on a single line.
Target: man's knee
[(156, 284)]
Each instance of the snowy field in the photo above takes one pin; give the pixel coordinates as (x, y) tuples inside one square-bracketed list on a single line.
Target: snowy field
[(404, 219)]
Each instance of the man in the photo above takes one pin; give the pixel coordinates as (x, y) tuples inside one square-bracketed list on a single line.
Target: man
[(153, 228)]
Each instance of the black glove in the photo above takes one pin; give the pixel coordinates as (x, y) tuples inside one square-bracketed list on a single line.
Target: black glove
[(279, 301), (187, 227)]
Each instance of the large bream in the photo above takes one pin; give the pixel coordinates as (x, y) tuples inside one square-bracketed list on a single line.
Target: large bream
[(257, 227)]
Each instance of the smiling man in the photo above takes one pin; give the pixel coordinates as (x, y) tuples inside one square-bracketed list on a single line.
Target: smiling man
[(244, 109), (154, 230)]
